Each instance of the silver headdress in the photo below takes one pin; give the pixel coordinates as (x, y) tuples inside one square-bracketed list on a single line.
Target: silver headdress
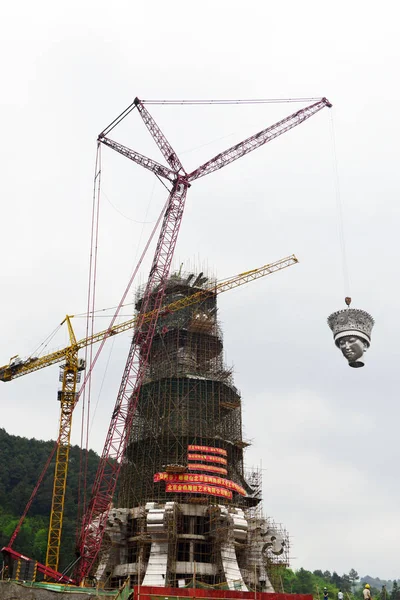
[(351, 321)]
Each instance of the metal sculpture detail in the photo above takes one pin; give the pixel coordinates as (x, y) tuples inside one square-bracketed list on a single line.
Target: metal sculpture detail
[(274, 542), (351, 329)]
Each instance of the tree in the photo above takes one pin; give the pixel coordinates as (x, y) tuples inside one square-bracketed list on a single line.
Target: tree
[(395, 595), (336, 580), (353, 576), (346, 583), (304, 582), (384, 594), (288, 579), (40, 544)]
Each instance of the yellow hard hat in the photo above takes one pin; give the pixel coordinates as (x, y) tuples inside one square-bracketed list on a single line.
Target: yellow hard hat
[(367, 585)]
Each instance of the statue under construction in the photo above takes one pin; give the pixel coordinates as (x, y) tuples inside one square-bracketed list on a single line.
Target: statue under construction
[(187, 514)]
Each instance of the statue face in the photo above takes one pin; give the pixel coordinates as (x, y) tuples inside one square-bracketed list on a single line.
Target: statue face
[(352, 347)]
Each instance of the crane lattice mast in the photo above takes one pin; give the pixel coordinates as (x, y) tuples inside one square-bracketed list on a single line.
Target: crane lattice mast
[(94, 521)]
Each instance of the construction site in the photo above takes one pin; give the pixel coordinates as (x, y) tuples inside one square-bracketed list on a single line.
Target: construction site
[(188, 514)]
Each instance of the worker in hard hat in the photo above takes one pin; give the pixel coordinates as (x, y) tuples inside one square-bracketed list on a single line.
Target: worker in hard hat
[(325, 593), (367, 592)]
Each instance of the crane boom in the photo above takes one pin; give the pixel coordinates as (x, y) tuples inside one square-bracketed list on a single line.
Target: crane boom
[(10, 553), (140, 159), (257, 140), (160, 139)]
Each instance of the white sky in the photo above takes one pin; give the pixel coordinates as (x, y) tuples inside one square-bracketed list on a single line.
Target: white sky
[(326, 434)]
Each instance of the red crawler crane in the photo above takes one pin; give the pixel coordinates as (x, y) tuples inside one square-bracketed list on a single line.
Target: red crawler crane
[(121, 421)]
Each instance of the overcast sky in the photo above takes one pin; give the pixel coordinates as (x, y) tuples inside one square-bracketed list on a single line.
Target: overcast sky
[(325, 435)]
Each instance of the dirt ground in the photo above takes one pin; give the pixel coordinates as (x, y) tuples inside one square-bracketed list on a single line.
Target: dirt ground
[(15, 591)]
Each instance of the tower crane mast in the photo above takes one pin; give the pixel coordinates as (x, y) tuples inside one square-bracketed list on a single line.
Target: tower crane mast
[(94, 521), (70, 373)]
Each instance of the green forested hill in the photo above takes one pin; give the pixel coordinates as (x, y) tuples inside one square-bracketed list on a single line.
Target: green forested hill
[(21, 463)]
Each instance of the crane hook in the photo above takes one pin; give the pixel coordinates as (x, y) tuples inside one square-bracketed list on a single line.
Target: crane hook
[(347, 300)]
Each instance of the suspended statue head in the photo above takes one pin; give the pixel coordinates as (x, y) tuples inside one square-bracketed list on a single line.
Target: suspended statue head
[(352, 333)]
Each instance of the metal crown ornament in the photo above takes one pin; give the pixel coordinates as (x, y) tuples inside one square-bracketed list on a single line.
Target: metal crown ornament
[(351, 320), (351, 329)]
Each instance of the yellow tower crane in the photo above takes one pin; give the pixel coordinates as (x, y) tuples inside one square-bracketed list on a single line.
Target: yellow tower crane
[(70, 376)]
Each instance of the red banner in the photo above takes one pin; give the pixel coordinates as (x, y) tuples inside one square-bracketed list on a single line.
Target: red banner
[(195, 488), (144, 592), (193, 478), (208, 469), (209, 449), (207, 458)]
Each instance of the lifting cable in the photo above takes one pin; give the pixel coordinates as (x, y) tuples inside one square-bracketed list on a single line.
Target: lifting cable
[(91, 297), (122, 214), (102, 384), (41, 348), (339, 208), (117, 309)]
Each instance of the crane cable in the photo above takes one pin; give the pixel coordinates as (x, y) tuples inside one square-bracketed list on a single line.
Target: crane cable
[(339, 208), (117, 309), (91, 297), (97, 195), (217, 102), (42, 347)]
